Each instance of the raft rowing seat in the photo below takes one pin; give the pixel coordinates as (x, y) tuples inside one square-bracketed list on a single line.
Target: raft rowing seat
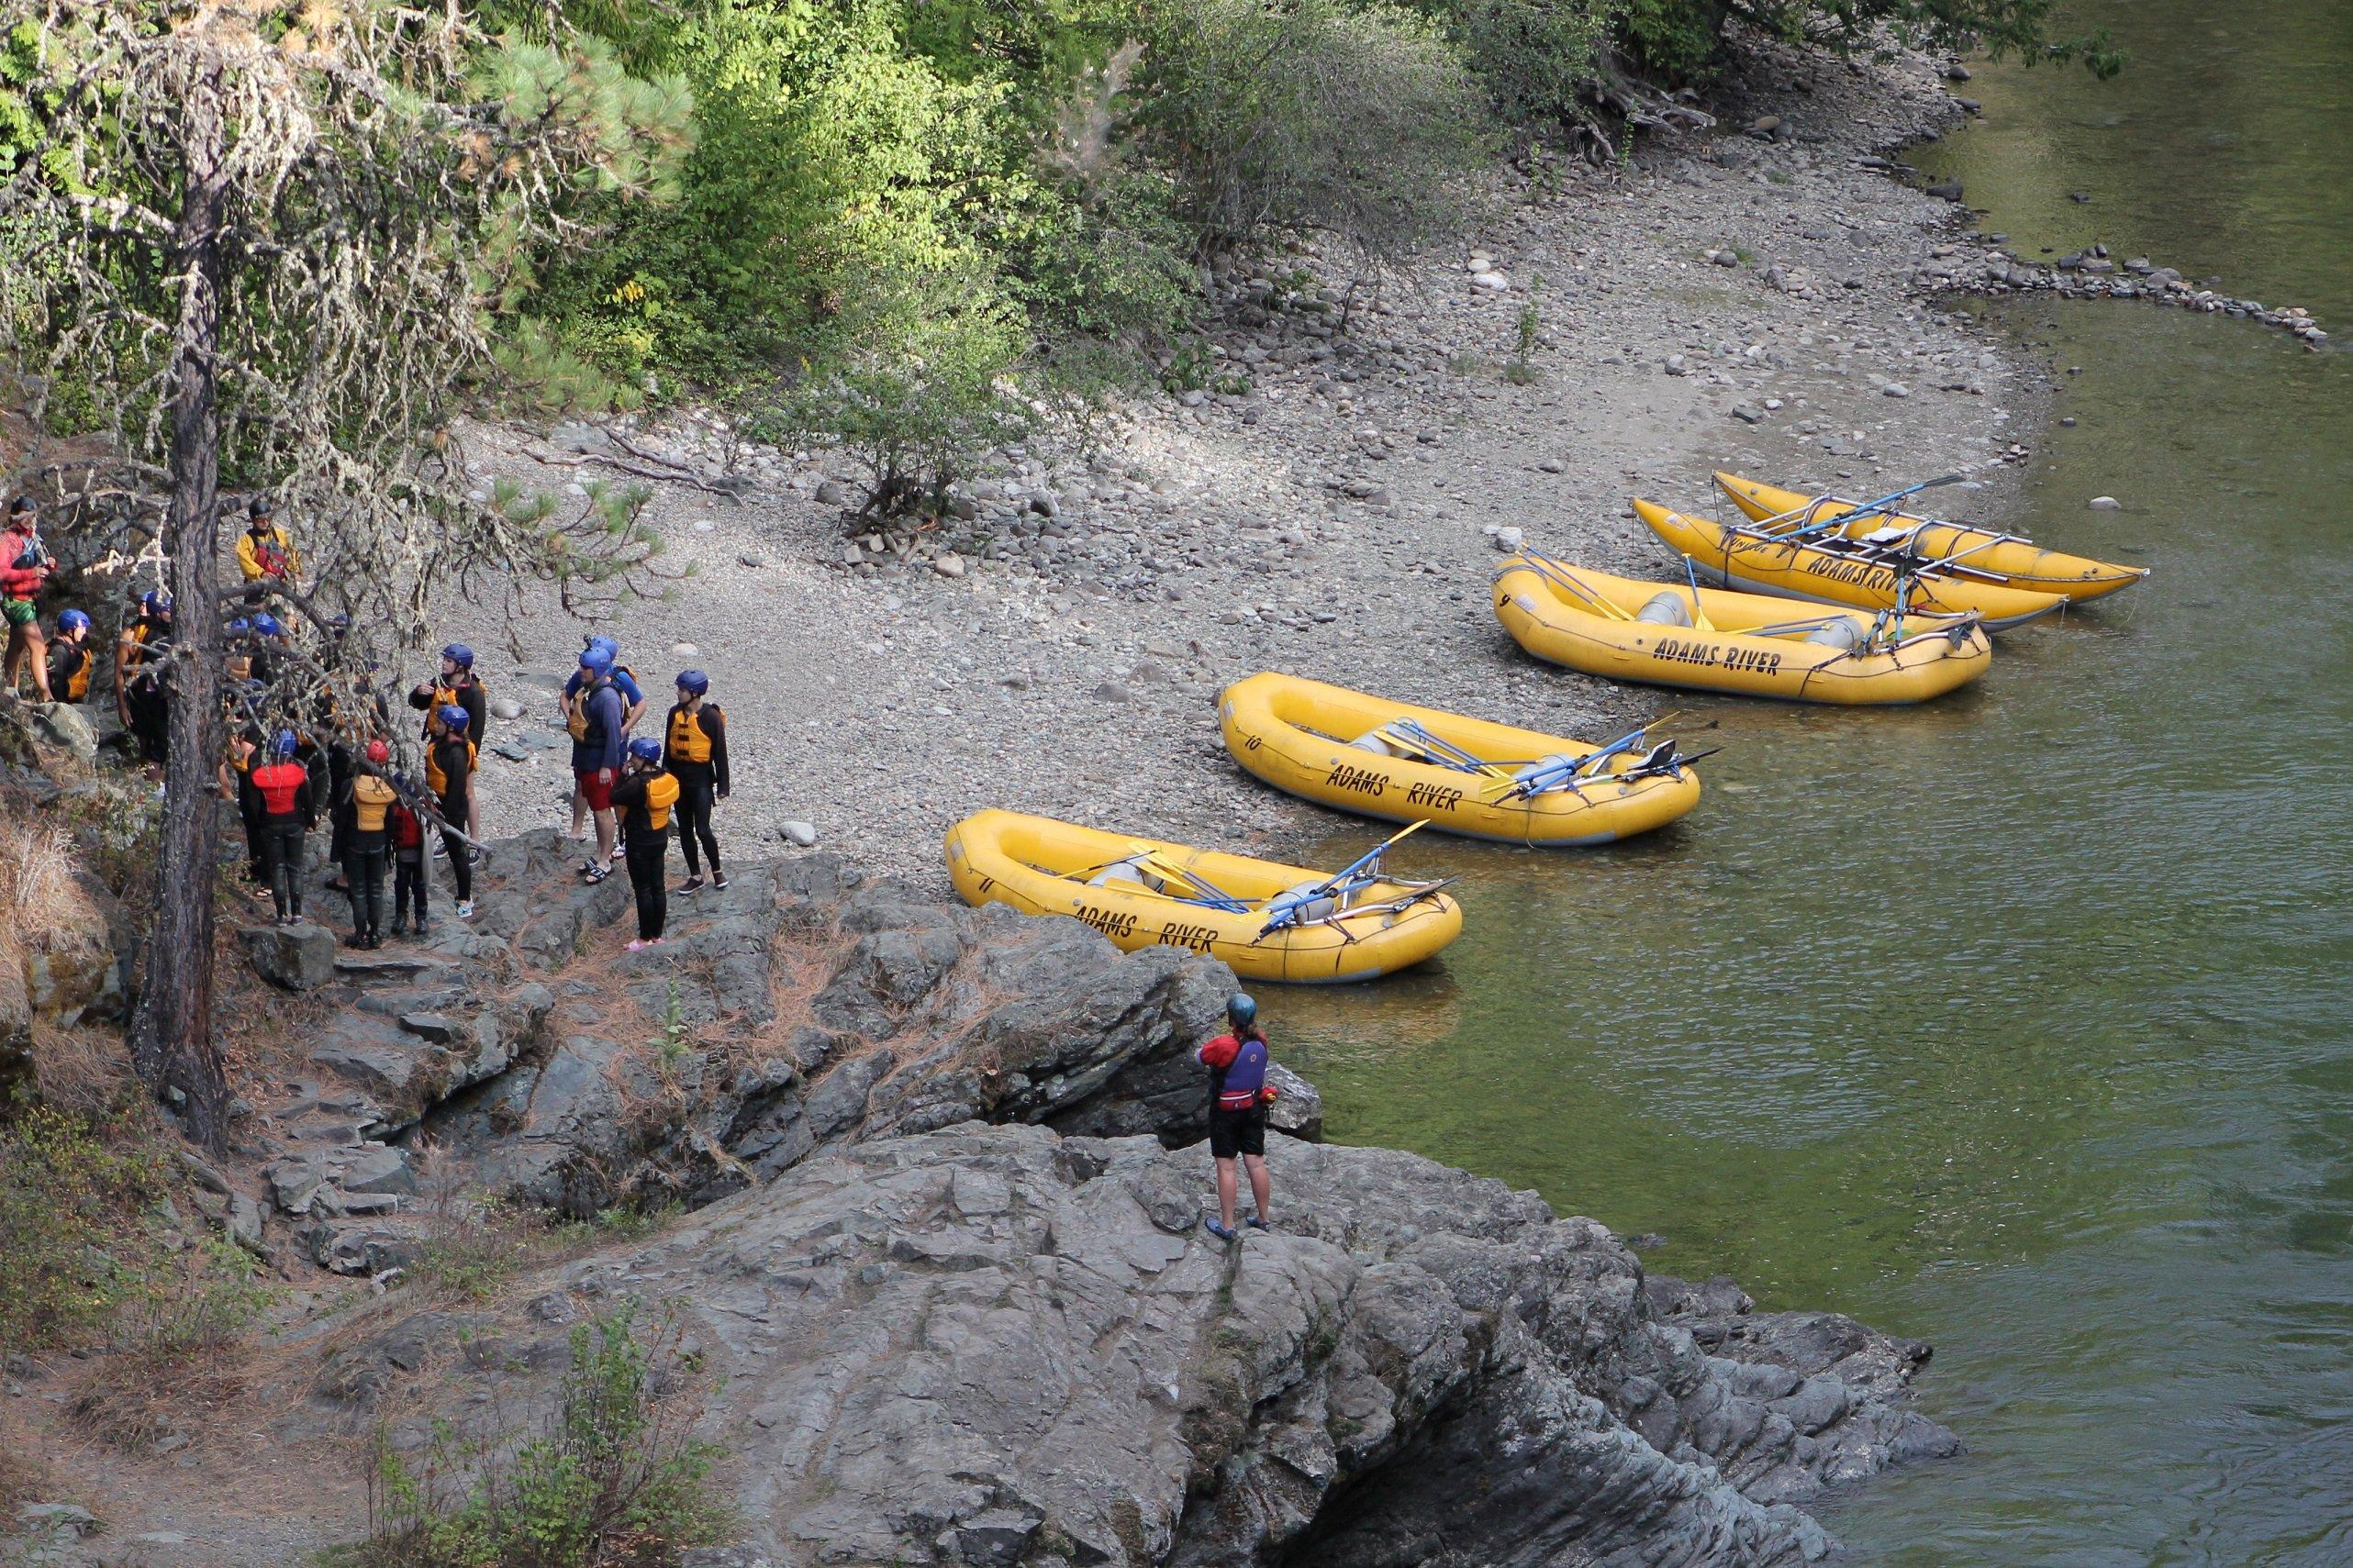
[(1665, 609)]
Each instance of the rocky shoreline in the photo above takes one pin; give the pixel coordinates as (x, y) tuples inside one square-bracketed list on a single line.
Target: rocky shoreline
[(939, 1260), (1327, 502)]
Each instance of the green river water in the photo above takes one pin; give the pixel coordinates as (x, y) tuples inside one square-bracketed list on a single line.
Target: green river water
[(2019, 1022)]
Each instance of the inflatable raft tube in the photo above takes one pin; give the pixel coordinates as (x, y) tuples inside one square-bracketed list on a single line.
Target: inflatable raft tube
[(1273, 925), (1747, 644), (1402, 764)]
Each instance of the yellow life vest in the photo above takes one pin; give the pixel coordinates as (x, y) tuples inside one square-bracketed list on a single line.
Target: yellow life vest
[(371, 799), (689, 742), (77, 683), (438, 781), (660, 794), (579, 723)]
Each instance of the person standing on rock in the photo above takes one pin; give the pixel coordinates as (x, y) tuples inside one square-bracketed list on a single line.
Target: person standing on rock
[(645, 796), (695, 753), (71, 658), (450, 758), (367, 847), (25, 566), (598, 717), (406, 835), (287, 810), (264, 554), (142, 676), (1239, 1096), (458, 684)]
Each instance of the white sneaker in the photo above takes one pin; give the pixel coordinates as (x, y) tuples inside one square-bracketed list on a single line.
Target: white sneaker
[(465, 908)]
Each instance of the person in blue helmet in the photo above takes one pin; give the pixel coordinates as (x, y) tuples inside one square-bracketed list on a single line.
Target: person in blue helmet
[(694, 749), (644, 798), (599, 715), (458, 683), (1239, 1096), (71, 658), (142, 676), (450, 759), (269, 645), (285, 811), (633, 707)]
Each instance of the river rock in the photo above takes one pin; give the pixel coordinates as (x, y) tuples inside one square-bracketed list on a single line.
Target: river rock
[(2105, 503), (799, 835), (507, 708), (976, 1339)]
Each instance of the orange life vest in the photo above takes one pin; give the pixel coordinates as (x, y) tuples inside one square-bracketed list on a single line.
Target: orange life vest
[(438, 781), (689, 741), (371, 798), (660, 794)]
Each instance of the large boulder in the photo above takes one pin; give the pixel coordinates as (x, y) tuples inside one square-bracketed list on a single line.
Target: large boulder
[(999, 1345), (67, 726), (294, 958)]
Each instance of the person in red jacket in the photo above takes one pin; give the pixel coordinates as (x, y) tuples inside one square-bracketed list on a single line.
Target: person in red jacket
[(286, 812), (1239, 1096), (25, 566)]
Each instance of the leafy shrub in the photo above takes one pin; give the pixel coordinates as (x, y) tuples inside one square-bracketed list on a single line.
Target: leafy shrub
[(615, 1478), (1679, 39), (1530, 55), (68, 1204), (923, 388), (1302, 117)]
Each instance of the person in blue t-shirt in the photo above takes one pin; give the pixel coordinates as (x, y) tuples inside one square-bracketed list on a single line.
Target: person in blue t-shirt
[(634, 708)]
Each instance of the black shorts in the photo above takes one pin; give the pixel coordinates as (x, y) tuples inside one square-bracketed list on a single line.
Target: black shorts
[(1238, 1132)]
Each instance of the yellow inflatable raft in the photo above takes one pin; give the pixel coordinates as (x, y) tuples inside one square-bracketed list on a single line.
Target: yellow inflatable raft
[(1833, 569), (1745, 643), (1404, 764), (1980, 552), (1266, 921)]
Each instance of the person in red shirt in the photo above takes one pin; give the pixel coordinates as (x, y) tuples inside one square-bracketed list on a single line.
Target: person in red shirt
[(1239, 1096), (25, 566), (286, 812)]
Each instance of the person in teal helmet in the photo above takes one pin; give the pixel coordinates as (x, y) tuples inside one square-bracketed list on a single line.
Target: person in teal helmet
[(1239, 1096)]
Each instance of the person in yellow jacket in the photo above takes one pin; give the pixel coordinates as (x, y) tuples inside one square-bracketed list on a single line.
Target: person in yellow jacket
[(644, 797), (368, 795), (264, 552)]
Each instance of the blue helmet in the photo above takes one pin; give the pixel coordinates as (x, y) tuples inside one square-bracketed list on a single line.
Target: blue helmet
[(598, 642), (266, 625), (694, 681), (455, 717), (285, 744), (73, 620), (155, 602), (459, 654), (597, 661), (646, 748), (240, 627), (1240, 1009)]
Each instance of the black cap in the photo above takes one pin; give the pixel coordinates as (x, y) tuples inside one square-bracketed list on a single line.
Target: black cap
[(21, 504), (258, 508)]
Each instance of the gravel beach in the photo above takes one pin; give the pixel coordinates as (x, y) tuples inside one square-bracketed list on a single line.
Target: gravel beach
[(1744, 298)]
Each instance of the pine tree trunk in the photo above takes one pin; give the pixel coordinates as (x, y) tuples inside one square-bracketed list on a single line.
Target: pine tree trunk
[(172, 1042)]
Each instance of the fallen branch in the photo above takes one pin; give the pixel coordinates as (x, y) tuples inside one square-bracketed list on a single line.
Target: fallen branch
[(731, 488)]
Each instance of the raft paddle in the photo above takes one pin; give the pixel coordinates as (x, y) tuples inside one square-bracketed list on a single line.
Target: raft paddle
[(1867, 508)]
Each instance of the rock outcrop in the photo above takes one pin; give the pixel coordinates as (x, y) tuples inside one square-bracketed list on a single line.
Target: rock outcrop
[(1003, 1346)]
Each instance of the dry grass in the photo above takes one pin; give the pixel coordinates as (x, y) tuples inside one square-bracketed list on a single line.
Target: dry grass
[(85, 1069)]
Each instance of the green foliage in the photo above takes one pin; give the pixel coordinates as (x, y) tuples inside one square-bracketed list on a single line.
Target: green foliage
[(1531, 55), (1356, 125), (1521, 369), (923, 385), (615, 1478), (70, 1203)]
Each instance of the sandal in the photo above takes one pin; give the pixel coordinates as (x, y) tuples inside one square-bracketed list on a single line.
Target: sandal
[(596, 874), (1217, 1228)]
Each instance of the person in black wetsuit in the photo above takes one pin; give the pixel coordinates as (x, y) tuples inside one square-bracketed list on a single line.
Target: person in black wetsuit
[(695, 751), (448, 774), (644, 797)]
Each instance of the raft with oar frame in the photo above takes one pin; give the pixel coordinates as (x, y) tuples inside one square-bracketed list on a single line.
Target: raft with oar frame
[(1266, 921), (1403, 763), (1714, 639), (1833, 569), (2016, 561)]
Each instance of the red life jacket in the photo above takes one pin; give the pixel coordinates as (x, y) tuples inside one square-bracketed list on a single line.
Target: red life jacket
[(407, 833), (279, 783)]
